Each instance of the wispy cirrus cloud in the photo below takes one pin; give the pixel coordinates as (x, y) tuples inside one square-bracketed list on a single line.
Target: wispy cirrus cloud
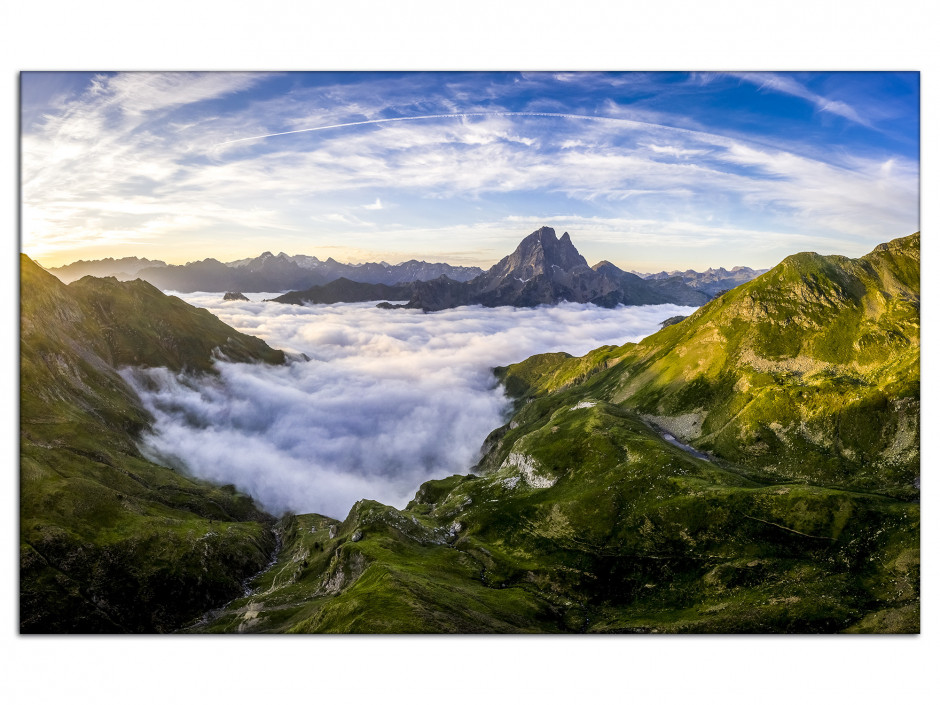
[(790, 86), (139, 93), (248, 158)]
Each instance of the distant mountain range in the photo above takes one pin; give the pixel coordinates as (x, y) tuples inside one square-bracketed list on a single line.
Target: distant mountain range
[(543, 269), (123, 269), (711, 282), (267, 272)]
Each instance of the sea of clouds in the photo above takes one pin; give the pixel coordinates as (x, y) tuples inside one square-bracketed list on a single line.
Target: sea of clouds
[(388, 399)]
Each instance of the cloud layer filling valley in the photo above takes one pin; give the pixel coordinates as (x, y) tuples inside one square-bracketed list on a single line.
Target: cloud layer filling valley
[(388, 400)]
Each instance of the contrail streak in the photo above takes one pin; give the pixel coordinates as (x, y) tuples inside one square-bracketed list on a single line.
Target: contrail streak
[(445, 115)]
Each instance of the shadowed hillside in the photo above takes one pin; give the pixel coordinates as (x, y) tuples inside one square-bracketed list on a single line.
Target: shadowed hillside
[(111, 542)]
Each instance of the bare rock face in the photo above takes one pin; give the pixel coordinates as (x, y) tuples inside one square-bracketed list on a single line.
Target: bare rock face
[(671, 321), (539, 254), (235, 296)]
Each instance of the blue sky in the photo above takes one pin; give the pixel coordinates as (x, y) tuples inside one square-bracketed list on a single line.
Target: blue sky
[(648, 170)]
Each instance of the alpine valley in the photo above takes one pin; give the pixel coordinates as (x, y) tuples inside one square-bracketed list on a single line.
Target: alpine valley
[(753, 467)]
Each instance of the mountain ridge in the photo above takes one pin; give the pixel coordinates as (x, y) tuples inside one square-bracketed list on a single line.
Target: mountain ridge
[(295, 273), (123, 268), (542, 269), (712, 281), (813, 324), (267, 272)]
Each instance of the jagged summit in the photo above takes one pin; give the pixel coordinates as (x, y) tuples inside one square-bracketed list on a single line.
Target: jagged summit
[(537, 254)]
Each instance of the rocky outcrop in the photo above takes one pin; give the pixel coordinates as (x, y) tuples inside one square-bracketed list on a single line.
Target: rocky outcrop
[(671, 321)]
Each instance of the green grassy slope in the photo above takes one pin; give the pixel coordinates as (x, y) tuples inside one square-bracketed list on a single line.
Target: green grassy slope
[(589, 521), (809, 372), (583, 517), (111, 542)]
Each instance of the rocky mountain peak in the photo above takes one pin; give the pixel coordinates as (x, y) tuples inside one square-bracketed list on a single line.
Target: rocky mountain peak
[(537, 254), (557, 251)]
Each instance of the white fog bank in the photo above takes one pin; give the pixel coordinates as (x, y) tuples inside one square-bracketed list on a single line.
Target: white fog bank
[(388, 400)]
